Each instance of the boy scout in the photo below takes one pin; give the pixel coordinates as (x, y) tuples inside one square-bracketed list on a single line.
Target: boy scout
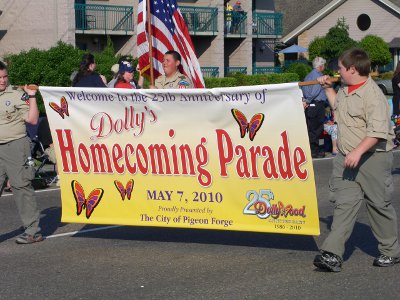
[(15, 150), (362, 168), (172, 78)]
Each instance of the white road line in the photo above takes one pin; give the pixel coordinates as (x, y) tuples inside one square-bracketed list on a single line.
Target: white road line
[(81, 231)]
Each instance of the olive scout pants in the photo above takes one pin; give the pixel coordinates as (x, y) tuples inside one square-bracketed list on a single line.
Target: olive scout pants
[(13, 157), (371, 180)]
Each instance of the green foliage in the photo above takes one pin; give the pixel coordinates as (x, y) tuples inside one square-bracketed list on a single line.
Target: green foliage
[(337, 40), (105, 60), (300, 69), (317, 47), (212, 82), (54, 67), (247, 80), (377, 49)]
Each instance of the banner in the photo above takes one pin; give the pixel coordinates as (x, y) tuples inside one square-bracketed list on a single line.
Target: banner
[(226, 158)]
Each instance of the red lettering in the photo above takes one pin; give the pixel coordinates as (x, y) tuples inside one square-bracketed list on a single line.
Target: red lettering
[(225, 155), (269, 166), (67, 150), (242, 168), (299, 158), (116, 157), (284, 163)]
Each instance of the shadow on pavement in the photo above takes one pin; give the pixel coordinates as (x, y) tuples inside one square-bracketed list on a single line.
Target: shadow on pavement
[(50, 220), (11, 234), (220, 237)]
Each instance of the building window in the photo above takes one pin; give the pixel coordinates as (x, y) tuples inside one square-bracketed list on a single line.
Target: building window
[(363, 22)]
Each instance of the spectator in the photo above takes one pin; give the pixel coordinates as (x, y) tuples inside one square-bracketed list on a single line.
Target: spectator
[(362, 169), (114, 72), (237, 7), (330, 127), (172, 78), (237, 16), (228, 17), (396, 91), (125, 77), (15, 153), (87, 77), (314, 103)]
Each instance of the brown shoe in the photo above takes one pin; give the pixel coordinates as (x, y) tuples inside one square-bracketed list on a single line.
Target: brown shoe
[(29, 239)]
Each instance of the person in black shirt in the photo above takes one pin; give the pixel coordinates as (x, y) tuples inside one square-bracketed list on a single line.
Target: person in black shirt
[(86, 76)]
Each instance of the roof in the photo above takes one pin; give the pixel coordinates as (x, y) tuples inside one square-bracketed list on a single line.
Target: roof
[(298, 17)]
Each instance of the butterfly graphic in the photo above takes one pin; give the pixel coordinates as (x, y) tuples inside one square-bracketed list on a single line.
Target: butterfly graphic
[(61, 110), (82, 202), (252, 127), (124, 191)]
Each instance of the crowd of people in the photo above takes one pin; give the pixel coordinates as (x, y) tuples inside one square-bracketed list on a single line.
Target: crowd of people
[(356, 115)]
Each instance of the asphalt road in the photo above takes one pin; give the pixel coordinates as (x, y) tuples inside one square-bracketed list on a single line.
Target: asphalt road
[(158, 263)]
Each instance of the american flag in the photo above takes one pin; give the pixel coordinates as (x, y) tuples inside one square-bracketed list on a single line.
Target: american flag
[(169, 32)]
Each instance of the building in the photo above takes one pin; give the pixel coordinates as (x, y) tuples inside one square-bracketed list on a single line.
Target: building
[(302, 23), (248, 47)]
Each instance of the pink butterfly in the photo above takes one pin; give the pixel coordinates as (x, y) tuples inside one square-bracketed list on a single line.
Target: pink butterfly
[(124, 191), (82, 202), (252, 127), (61, 110)]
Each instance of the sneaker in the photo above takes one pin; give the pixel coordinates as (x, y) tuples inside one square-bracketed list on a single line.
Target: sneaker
[(385, 261), (328, 261), (29, 239)]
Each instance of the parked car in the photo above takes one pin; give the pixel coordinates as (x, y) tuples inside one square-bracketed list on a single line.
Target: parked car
[(386, 86)]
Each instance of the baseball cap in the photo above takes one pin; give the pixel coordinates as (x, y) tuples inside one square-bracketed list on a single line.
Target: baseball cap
[(125, 66), (238, 2)]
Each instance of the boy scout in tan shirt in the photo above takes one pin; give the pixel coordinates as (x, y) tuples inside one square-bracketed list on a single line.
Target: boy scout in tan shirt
[(177, 81), (363, 165), (16, 109), (172, 78)]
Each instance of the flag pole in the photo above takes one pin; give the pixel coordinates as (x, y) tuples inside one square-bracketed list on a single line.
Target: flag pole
[(149, 37)]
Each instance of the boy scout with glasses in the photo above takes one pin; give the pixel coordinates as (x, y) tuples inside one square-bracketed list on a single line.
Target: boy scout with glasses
[(16, 108)]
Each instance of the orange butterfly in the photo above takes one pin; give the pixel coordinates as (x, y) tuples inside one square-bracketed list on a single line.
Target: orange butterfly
[(82, 202), (124, 191), (252, 127), (62, 109)]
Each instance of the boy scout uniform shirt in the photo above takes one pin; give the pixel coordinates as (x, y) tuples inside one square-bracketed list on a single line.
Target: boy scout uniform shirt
[(13, 112), (364, 112), (178, 81)]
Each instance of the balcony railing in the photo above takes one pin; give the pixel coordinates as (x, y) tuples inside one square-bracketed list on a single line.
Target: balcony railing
[(266, 70), (232, 70), (235, 23), (200, 20), (107, 18), (267, 24), (210, 71)]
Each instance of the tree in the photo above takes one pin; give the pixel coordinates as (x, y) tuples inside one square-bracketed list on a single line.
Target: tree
[(317, 47), (377, 49), (337, 40)]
